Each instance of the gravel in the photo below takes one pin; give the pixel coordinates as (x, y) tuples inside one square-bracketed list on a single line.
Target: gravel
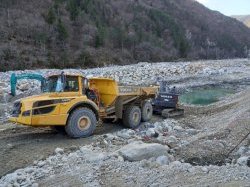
[(127, 161)]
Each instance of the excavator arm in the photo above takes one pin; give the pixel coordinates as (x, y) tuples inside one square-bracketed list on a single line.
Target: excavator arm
[(14, 78)]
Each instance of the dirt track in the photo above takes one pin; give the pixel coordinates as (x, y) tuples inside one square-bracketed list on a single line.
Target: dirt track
[(20, 146), (225, 124)]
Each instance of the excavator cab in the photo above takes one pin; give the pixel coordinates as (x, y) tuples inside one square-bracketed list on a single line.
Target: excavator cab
[(166, 102)]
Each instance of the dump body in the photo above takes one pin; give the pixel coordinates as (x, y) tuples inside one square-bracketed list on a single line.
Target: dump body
[(109, 90), (114, 98)]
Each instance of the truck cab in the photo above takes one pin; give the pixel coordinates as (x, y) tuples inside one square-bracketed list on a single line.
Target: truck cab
[(52, 106)]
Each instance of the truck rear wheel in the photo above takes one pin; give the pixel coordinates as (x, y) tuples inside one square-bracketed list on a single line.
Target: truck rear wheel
[(132, 117), (147, 111), (81, 123)]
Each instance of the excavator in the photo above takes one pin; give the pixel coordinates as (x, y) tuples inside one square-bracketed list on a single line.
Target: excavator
[(166, 102)]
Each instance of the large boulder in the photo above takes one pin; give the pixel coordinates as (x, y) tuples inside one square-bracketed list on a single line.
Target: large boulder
[(137, 151), (244, 161), (24, 86)]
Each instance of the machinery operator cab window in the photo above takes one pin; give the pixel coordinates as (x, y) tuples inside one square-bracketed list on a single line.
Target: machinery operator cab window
[(61, 84), (71, 84)]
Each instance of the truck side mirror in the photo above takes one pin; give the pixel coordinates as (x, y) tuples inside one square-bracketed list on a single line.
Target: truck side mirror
[(86, 83)]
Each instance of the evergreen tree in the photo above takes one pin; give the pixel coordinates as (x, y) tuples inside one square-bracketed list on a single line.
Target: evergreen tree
[(62, 31), (50, 18)]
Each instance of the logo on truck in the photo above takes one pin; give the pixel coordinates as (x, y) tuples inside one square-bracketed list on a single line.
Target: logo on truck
[(127, 89)]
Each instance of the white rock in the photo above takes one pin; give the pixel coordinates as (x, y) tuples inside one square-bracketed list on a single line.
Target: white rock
[(161, 139), (191, 169), (163, 160), (243, 161), (120, 158), (191, 131), (73, 156), (85, 150), (41, 163), (16, 184), (166, 127), (125, 134), (59, 150), (178, 128), (24, 86), (186, 167), (157, 124), (155, 185), (29, 169), (137, 151), (204, 169), (172, 141), (159, 129), (176, 163), (131, 132), (109, 137), (150, 132), (96, 157), (35, 185)]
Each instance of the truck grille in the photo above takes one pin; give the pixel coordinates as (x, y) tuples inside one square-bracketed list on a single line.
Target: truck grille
[(16, 109)]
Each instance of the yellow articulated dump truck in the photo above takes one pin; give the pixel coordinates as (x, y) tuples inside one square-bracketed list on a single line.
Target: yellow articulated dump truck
[(76, 104)]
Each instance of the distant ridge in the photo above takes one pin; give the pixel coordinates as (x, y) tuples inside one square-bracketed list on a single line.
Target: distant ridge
[(243, 18)]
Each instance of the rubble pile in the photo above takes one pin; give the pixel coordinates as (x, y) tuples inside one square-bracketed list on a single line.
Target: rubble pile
[(134, 155)]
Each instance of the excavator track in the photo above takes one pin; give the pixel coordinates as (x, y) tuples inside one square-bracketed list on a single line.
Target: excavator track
[(170, 113)]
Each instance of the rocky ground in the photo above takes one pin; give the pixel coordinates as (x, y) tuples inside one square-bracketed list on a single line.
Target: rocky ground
[(199, 149)]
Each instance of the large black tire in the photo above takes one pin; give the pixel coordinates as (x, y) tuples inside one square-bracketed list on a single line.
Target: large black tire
[(132, 117), (147, 111), (81, 123)]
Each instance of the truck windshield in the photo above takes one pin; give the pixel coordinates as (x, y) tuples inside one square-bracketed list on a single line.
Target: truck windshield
[(55, 84), (52, 85)]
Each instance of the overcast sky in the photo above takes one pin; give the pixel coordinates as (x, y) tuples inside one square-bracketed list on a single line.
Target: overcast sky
[(229, 7)]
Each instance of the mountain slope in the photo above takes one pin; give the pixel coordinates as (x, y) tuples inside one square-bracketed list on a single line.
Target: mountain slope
[(245, 19), (89, 33)]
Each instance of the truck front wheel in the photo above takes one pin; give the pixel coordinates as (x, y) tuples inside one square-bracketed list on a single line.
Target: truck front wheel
[(81, 123), (147, 111), (132, 117)]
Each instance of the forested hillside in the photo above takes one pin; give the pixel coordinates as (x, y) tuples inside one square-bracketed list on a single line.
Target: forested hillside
[(90, 33)]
